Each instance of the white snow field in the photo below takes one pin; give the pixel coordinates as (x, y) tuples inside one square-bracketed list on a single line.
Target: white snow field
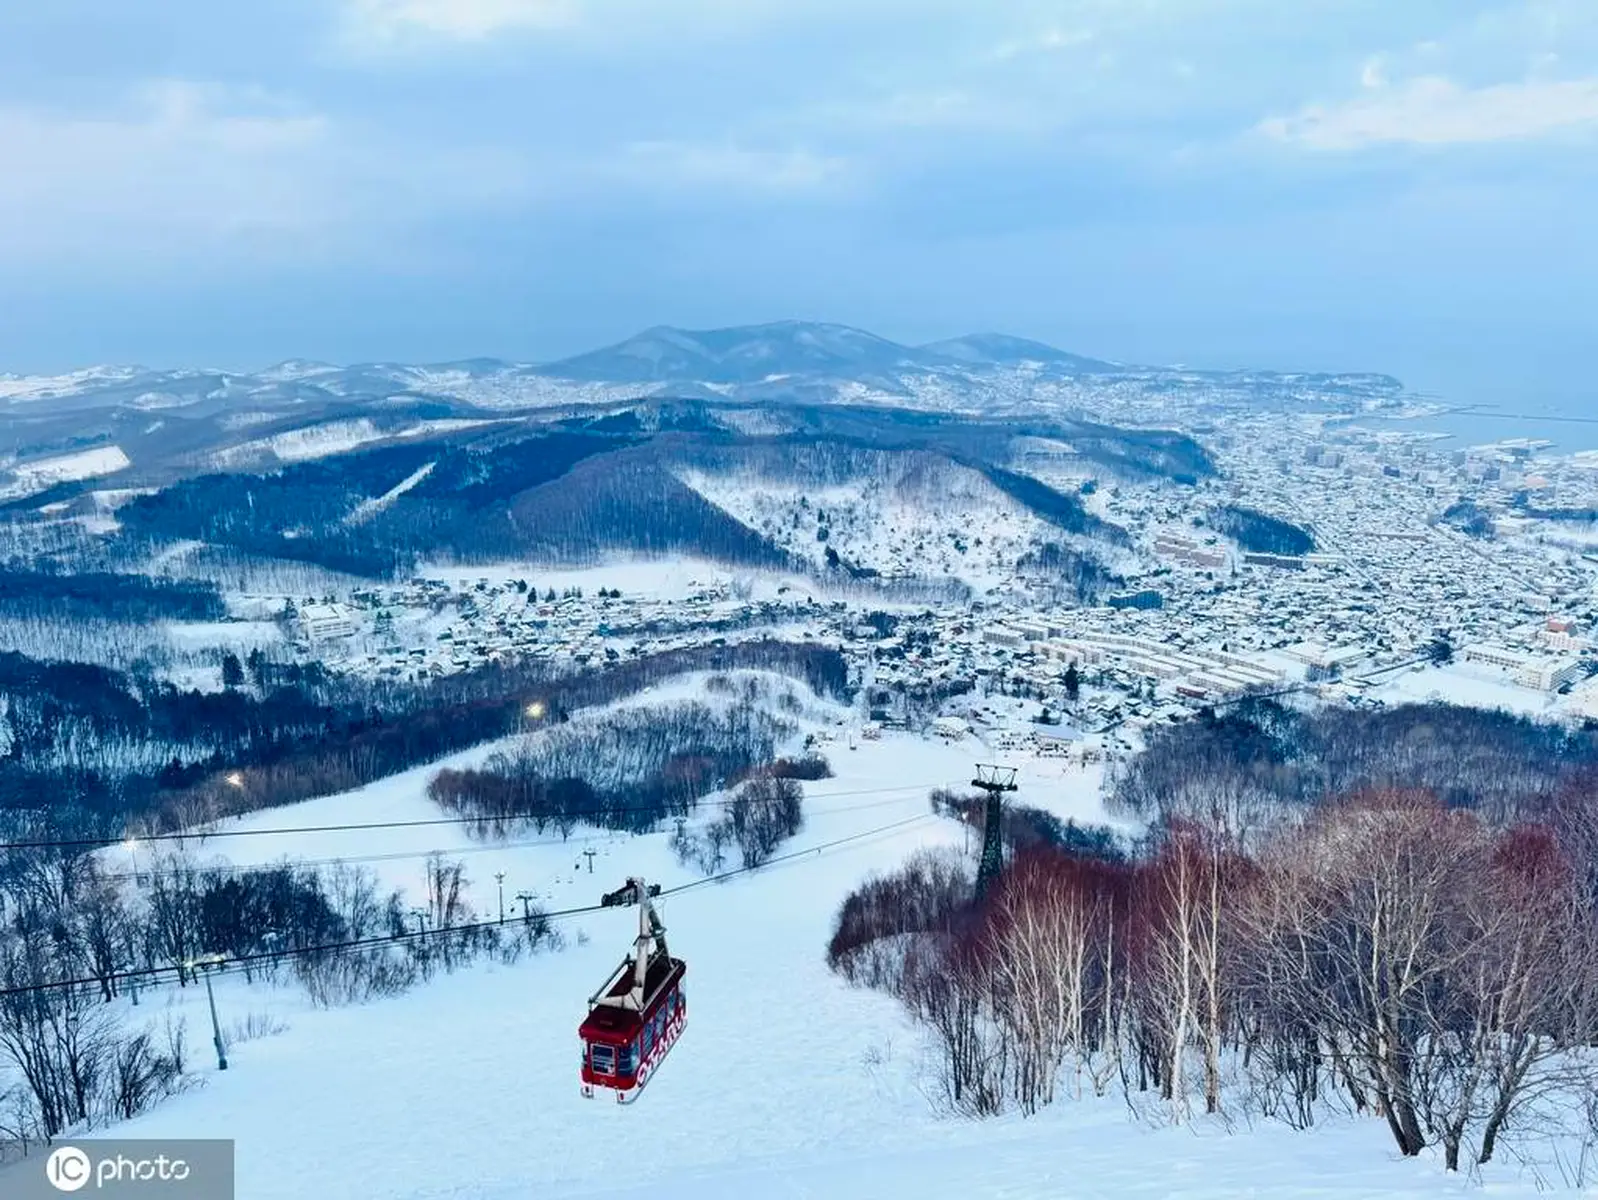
[(787, 1083), (42, 474), (659, 578)]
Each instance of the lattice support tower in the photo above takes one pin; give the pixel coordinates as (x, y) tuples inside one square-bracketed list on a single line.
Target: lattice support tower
[(995, 781)]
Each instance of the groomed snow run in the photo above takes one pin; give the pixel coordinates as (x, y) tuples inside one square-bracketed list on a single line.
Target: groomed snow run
[(787, 1082)]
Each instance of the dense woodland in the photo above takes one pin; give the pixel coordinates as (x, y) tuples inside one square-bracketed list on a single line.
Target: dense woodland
[(1395, 930), (1073, 575), (627, 769), (569, 491), (1254, 761), (636, 503), (104, 596), (1260, 533), (90, 752), (1469, 518), (1062, 509), (304, 511)]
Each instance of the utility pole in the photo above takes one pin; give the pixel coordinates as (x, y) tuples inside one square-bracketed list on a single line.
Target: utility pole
[(499, 878), (590, 853), (421, 919), (526, 898), (207, 965), (995, 781)]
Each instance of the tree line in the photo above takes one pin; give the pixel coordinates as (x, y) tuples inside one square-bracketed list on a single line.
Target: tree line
[(1379, 952), (1261, 533), (301, 512), (764, 812), (105, 596), (1246, 765), (626, 769), (77, 1046), (90, 752), (1074, 576)]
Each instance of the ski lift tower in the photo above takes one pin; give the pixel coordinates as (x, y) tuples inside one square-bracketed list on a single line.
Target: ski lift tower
[(995, 781)]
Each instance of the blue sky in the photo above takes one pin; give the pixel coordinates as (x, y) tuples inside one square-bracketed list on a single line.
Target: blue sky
[(1387, 184)]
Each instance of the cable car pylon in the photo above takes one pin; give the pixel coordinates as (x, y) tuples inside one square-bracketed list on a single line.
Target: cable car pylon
[(995, 781), (636, 1017)]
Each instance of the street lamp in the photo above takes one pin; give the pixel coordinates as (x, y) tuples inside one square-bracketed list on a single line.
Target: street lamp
[(209, 963), (132, 843), (533, 712)]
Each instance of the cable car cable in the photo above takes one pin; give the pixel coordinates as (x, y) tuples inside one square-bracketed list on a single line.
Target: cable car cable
[(232, 868), (357, 827), (157, 973)]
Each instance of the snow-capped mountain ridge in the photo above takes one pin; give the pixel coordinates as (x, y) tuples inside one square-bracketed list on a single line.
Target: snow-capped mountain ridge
[(812, 358), (764, 370)]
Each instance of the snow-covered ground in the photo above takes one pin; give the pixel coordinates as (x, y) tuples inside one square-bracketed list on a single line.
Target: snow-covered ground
[(660, 578), (1473, 685), (41, 474), (330, 438), (367, 509), (238, 636), (940, 521), (787, 1083), (299, 445), (44, 387)]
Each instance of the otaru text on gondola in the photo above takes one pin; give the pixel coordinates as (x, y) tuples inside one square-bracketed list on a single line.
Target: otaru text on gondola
[(637, 1016)]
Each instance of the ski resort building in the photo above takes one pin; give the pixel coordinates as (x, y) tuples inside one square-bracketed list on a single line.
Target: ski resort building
[(1532, 671), (325, 622)]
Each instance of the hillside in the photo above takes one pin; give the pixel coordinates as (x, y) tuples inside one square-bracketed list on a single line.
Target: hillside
[(785, 1077), (182, 419), (946, 500)]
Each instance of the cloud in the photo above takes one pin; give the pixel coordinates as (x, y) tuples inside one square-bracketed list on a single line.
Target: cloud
[(181, 155), (1049, 41), (388, 21), (183, 169), (384, 24), (680, 164), (950, 110), (1435, 111)]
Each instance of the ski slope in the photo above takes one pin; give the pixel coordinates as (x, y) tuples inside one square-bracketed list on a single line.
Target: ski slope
[(787, 1083)]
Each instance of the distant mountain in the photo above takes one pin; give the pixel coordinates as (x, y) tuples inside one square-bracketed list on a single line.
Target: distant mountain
[(741, 355), (169, 423), (987, 349), (804, 350)]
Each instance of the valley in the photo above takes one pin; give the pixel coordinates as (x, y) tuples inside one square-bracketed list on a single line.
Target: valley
[(371, 681)]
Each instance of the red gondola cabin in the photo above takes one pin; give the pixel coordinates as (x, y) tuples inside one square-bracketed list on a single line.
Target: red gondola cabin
[(637, 1016)]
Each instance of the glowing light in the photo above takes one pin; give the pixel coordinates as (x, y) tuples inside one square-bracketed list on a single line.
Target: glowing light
[(235, 779), (535, 711)]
